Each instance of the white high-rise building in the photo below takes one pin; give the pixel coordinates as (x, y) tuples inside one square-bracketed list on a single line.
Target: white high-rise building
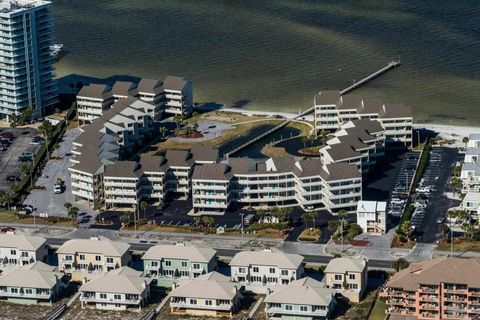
[(26, 72)]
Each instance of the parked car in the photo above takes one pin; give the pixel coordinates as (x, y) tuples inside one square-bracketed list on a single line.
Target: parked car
[(423, 190), (397, 201), (57, 188), (13, 178), (440, 220), (7, 229), (26, 156), (3, 148)]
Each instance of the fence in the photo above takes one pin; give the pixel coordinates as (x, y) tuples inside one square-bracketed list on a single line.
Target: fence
[(149, 316), (56, 313)]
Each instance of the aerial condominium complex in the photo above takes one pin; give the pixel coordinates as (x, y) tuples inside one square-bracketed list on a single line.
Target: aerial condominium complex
[(19, 250), (442, 288), (331, 110), (172, 97), (26, 30), (360, 142)]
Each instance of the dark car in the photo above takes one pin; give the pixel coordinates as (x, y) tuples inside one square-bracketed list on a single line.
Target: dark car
[(7, 229), (3, 147), (12, 178)]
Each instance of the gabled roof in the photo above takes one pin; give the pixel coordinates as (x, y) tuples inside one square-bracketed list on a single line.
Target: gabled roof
[(327, 97), (174, 83), (123, 280), (306, 291), (36, 275), (204, 153), (125, 169), (21, 242), (267, 258), (180, 252), (340, 171), (179, 158), (151, 86), (208, 286), (124, 88), (95, 91), (99, 245), (343, 265), (212, 171), (439, 270)]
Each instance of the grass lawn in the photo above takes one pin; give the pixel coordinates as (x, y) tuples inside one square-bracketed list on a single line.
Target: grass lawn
[(396, 243), (378, 311), (274, 151), (459, 245), (229, 117), (10, 217), (309, 235), (225, 136)]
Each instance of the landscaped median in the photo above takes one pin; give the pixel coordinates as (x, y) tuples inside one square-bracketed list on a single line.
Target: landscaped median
[(309, 235), (13, 217)]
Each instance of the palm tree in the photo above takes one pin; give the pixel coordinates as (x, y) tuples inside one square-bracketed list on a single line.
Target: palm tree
[(310, 215), (342, 214), (72, 213), (197, 221), (125, 218), (163, 131), (143, 206), (465, 140), (45, 130), (400, 264), (67, 206), (3, 197), (208, 221), (304, 140), (261, 213), (27, 170), (13, 120)]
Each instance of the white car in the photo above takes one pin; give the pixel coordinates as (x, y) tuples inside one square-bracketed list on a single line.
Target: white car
[(422, 190), (397, 201), (57, 189)]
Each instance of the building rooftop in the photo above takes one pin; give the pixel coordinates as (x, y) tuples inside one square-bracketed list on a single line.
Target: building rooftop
[(208, 286), (123, 169), (174, 83), (95, 91), (371, 206), (475, 167), (327, 97), (212, 171), (122, 280), (124, 88), (474, 136), (21, 242), (99, 245), (343, 265), (35, 275), (151, 86), (439, 270), (306, 291), (472, 196), (267, 258), (180, 252)]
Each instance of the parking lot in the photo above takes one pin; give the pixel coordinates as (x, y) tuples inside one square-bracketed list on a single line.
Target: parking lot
[(46, 201), (430, 200), (9, 163)]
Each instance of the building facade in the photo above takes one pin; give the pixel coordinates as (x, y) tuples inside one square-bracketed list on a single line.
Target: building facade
[(19, 250), (178, 96), (92, 101), (84, 259), (348, 276), (26, 29), (118, 289), (442, 288), (169, 263), (470, 174), (304, 299), (371, 217), (331, 110)]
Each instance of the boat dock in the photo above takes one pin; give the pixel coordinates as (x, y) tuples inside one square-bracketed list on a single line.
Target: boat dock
[(389, 66)]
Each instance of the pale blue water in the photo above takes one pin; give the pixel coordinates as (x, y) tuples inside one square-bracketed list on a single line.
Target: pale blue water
[(277, 54)]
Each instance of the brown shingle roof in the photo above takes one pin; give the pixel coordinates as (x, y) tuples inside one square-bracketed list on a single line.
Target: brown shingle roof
[(174, 83), (124, 88), (327, 97), (150, 86), (212, 171), (127, 169), (96, 91)]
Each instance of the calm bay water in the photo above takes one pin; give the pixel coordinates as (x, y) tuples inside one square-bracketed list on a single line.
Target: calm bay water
[(275, 55)]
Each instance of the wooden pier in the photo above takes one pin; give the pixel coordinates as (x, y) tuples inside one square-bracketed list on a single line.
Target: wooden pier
[(389, 66)]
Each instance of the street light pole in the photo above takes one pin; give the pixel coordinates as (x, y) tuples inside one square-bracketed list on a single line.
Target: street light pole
[(241, 216), (33, 213), (135, 219)]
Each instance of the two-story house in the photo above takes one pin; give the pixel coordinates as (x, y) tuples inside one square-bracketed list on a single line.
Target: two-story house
[(304, 299), (118, 289), (348, 276), (32, 284), (168, 263), (259, 270), (210, 295), (18, 250), (86, 258)]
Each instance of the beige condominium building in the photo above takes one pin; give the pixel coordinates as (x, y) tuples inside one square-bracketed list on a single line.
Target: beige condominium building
[(262, 269), (303, 299), (331, 110), (36, 283), (92, 101), (442, 288), (348, 276), (87, 258), (359, 142), (18, 250), (470, 174), (119, 289), (209, 295)]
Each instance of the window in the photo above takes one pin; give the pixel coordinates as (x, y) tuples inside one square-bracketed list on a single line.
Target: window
[(103, 296), (284, 272), (208, 302), (117, 297), (109, 260), (351, 276), (14, 290), (13, 252), (98, 258), (255, 269), (184, 264), (288, 307), (28, 291), (24, 254), (353, 286), (193, 301), (303, 308), (196, 266), (338, 277), (168, 263), (242, 270), (154, 264), (272, 270), (81, 257)]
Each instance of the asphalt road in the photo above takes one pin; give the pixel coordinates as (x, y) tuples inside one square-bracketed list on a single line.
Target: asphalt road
[(320, 259)]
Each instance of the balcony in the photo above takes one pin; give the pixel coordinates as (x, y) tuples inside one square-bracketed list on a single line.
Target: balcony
[(24, 295), (94, 299), (317, 313), (184, 305)]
